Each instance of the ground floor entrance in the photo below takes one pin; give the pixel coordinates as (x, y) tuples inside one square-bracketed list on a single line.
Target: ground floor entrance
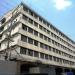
[(42, 69), (36, 69)]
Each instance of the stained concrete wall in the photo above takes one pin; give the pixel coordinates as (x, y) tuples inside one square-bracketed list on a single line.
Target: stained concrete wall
[(8, 68)]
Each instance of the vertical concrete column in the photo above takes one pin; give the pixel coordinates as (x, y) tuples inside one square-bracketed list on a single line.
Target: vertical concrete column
[(18, 68)]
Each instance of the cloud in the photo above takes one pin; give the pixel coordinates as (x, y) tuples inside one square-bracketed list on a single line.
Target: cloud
[(62, 4)]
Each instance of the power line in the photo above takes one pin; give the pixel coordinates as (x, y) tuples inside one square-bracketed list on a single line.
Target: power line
[(7, 57)]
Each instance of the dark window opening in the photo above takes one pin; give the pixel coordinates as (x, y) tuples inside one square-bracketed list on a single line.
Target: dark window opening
[(42, 55), (45, 38), (24, 27), (50, 57), (25, 9), (3, 20), (48, 31), (30, 40), (0, 45), (0, 36), (40, 27), (41, 35), (30, 52), (49, 40), (44, 29), (23, 50), (23, 38), (1, 28), (35, 43), (36, 54), (31, 13), (30, 21), (40, 19), (46, 56), (49, 48), (35, 33), (41, 45), (30, 30), (35, 24), (54, 58), (46, 47), (36, 16), (25, 17)]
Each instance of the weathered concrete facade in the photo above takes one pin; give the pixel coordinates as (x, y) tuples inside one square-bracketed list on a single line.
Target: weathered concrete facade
[(36, 40), (8, 68)]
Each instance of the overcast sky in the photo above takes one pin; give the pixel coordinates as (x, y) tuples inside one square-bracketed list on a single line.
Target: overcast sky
[(61, 13)]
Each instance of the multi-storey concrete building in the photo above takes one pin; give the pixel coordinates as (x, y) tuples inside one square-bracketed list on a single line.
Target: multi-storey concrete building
[(37, 45)]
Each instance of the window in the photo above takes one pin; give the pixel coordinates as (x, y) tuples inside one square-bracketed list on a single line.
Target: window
[(36, 24), (25, 9), (0, 36), (57, 59), (30, 52), (23, 38), (46, 47), (25, 17), (3, 20), (44, 29), (35, 43), (30, 30), (41, 35), (30, 40), (23, 50), (30, 12), (57, 51), (60, 52), (35, 33), (50, 57), (1, 28), (49, 40), (48, 31), (42, 55), (0, 45), (45, 22), (52, 41), (46, 56), (51, 34), (40, 27), (41, 45), (56, 43), (54, 36), (49, 48), (54, 58), (36, 16), (36, 54), (24, 27), (45, 38), (30, 21), (54, 50), (40, 19)]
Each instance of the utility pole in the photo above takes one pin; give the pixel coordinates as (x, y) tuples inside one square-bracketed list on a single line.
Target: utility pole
[(9, 36)]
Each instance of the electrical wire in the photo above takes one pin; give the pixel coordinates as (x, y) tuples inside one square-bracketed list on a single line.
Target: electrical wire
[(5, 6)]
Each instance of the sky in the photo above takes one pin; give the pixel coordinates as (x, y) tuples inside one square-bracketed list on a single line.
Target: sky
[(60, 13)]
